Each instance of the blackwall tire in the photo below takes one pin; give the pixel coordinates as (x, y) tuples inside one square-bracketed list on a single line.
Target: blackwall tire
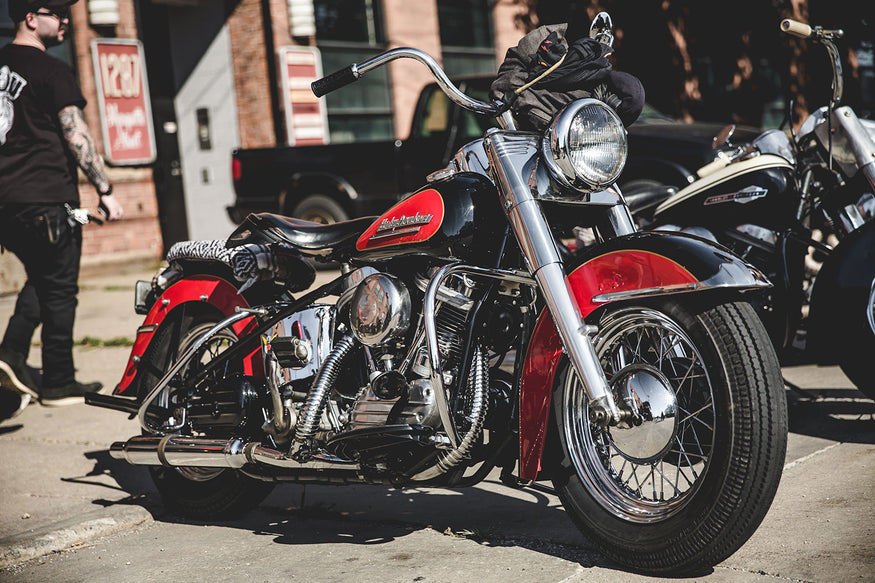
[(319, 208), (857, 339), (685, 507), (199, 493)]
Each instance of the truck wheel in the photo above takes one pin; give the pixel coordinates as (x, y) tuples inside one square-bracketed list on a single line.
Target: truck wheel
[(319, 208)]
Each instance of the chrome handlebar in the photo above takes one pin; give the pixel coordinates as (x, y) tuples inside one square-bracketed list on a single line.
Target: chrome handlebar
[(826, 37), (355, 71)]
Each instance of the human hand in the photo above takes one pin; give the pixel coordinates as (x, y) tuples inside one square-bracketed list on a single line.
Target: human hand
[(110, 207)]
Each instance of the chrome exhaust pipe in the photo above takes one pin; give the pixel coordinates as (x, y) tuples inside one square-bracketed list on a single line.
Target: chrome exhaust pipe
[(180, 450)]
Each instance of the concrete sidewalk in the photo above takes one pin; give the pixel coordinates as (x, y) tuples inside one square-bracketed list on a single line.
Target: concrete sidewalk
[(57, 490), (61, 489)]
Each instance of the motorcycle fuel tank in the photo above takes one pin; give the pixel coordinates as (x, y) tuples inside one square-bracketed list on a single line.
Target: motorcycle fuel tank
[(447, 218), (751, 191)]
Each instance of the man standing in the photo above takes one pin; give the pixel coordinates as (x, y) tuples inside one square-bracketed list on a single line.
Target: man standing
[(43, 139)]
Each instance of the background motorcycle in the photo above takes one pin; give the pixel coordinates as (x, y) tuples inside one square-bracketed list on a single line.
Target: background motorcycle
[(801, 210), (644, 385)]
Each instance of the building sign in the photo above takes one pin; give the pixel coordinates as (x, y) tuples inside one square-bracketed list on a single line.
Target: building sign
[(125, 110), (306, 117)]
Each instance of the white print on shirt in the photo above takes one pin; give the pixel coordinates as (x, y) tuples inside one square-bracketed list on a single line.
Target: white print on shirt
[(11, 84)]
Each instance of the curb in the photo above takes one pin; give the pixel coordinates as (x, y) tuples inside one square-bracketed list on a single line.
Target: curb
[(70, 533)]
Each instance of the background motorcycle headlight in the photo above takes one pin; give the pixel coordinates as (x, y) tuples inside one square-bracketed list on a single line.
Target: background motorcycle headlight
[(585, 146)]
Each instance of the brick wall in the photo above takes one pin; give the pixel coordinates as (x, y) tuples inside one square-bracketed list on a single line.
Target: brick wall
[(139, 233), (251, 81), (507, 31), (410, 24)]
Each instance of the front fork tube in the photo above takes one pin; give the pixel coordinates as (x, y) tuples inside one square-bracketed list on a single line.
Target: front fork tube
[(512, 157)]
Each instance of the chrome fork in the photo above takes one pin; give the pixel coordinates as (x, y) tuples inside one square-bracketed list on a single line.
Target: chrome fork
[(514, 158)]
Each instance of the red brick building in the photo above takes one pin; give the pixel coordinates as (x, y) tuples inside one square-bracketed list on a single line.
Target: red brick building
[(215, 83)]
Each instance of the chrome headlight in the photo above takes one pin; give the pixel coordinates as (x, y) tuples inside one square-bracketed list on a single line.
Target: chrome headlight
[(585, 147)]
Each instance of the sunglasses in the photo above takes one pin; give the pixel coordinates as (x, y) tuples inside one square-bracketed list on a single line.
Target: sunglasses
[(59, 13)]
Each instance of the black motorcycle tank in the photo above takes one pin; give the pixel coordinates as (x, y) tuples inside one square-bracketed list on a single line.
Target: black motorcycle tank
[(753, 191), (458, 217)]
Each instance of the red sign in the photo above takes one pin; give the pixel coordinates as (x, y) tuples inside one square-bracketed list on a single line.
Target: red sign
[(125, 111), (306, 119)]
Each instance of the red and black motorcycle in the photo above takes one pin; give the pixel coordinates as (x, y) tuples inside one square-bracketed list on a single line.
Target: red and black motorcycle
[(642, 382)]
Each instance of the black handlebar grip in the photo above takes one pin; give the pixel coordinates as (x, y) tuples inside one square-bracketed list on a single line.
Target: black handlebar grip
[(334, 81)]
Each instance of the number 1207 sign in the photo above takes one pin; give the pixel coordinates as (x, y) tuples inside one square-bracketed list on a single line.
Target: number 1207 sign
[(123, 91)]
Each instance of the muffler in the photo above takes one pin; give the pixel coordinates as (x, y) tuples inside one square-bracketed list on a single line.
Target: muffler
[(180, 450)]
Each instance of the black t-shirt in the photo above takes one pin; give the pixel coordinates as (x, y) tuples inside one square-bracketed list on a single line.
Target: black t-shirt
[(35, 163)]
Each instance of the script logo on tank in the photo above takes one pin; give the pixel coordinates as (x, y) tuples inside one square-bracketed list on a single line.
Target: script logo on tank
[(413, 220)]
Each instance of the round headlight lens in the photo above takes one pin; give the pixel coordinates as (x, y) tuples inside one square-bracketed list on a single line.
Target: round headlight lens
[(585, 146)]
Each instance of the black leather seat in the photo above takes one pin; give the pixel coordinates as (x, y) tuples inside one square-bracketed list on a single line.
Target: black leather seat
[(312, 238)]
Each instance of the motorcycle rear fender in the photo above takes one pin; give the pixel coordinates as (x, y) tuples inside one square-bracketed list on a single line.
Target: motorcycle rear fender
[(841, 286), (197, 289), (641, 265)]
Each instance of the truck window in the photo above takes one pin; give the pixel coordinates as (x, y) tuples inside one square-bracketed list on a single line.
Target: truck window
[(436, 114)]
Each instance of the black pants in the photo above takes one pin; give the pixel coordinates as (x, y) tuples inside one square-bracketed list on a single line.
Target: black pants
[(50, 250)]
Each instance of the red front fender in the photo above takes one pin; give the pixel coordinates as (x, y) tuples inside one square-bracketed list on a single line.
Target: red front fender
[(615, 271), (198, 288)]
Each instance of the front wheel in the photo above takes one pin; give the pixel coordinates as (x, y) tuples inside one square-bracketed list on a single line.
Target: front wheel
[(684, 482), (858, 338)]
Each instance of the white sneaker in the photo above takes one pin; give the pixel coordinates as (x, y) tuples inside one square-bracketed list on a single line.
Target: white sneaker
[(12, 403)]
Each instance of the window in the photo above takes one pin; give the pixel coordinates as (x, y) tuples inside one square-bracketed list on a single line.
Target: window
[(466, 36), (349, 32)]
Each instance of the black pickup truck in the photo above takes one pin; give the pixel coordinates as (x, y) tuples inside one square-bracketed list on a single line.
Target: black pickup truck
[(335, 182)]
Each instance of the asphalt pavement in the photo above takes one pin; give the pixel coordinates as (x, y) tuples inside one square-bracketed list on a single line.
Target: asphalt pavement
[(63, 496)]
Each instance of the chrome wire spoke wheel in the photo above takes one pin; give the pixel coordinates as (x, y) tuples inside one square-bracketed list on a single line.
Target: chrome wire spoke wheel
[(649, 466)]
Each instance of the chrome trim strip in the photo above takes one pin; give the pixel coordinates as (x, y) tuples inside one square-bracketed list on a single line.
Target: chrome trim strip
[(730, 276), (398, 233)]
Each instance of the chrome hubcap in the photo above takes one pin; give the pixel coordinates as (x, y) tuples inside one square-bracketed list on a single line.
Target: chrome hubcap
[(652, 406)]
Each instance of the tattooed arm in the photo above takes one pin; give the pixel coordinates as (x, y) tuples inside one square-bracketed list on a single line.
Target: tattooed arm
[(81, 144)]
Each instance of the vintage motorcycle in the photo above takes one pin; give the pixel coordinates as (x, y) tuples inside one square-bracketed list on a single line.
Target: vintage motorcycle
[(800, 210), (642, 384)]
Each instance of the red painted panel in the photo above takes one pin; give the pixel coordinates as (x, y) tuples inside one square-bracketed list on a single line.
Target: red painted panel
[(611, 272), (413, 220), (217, 292)]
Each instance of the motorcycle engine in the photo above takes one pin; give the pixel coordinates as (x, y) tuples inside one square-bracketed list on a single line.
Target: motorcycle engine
[(392, 397)]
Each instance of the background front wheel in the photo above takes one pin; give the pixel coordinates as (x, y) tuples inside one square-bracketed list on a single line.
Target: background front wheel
[(685, 483)]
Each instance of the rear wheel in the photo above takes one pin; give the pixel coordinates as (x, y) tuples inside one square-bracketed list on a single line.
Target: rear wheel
[(684, 484), (201, 493)]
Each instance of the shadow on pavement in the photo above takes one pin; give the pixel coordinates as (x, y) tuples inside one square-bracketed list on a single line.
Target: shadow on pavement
[(843, 415), (373, 515), (331, 515), (131, 479)]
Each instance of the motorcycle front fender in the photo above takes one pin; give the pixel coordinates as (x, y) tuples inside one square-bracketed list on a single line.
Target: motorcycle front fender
[(198, 289), (840, 290), (640, 265)]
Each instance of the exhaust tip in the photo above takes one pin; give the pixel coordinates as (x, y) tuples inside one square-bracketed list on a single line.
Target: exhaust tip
[(117, 450)]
